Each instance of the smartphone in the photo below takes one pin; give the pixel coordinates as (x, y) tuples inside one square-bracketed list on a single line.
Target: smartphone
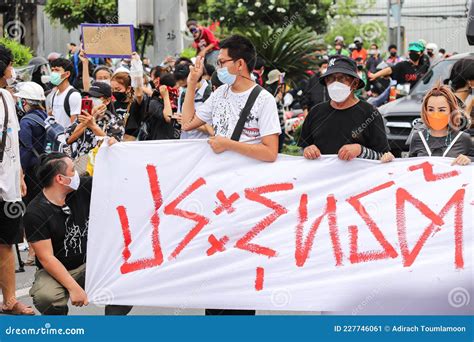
[(86, 105)]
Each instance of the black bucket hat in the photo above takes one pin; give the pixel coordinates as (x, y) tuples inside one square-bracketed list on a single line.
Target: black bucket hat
[(343, 65)]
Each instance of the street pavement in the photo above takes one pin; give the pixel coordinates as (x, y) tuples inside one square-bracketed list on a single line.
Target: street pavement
[(24, 281)]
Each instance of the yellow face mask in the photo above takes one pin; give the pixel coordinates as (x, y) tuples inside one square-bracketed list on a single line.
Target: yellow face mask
[(438, 120)]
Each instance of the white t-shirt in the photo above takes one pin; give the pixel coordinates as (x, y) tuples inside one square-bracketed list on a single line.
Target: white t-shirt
[(222, 111), (195, 133), (59, 113), (10, 167)]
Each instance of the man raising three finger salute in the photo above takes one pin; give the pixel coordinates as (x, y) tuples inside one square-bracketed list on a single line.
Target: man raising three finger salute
[(256, 134), (258, 138), (345, 125)]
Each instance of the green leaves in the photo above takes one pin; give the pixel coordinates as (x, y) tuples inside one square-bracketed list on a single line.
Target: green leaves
[(289, 49), (21, 53), (72, 13)]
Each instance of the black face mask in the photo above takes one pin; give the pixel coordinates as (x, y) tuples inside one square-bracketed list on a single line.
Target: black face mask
[(430, 53), (120, 96), (414, 56), (393, 53), (358, 46)]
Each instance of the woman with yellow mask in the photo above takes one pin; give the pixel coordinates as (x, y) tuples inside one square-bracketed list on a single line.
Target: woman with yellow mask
[(443, 135)]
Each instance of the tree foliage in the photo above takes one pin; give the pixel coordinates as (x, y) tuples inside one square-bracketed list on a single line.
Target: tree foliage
[(72, 13), (21, 53), (289, 49), (245, 13)]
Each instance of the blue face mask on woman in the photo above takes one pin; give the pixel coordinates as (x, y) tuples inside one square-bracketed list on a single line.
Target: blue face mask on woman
[(225, 76)]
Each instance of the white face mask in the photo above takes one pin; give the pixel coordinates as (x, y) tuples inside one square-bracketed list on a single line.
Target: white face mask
[(75, 181), (96, 101), (338, 91)]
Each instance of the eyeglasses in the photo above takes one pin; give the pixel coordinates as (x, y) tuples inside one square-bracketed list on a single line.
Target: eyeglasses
[(221, 62), (339, 78)]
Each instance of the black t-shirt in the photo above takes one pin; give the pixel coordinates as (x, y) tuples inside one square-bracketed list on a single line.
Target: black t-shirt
[(406, 72), (121, 108), (329, 128), (66, 226), (149, 111)]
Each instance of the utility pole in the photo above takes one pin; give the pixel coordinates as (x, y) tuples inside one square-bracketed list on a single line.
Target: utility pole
[(169, 22), (399, 24), (388, 23)]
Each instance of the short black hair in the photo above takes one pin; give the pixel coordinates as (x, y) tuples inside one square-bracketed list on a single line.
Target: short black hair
[(156, 71), (183, 60), (6, 57), (462, 71), (181, 72), (64, 63), (167, 79), (392, 46), (443, 51), (209, 69), (259, 63), (49, 166), (73, 44), (240, 47)]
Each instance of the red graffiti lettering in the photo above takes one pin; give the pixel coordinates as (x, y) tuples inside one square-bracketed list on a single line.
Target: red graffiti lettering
[(255, 195), (304, 246), (201, 221)]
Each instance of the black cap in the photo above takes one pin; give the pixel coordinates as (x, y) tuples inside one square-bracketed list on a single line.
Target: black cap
[(343, 65), (100, 89)]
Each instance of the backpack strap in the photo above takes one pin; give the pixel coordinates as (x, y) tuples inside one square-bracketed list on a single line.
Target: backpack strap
[(3, 142), (244, 114), (423, 140), (38, 120), (67, 106), (452, 144)]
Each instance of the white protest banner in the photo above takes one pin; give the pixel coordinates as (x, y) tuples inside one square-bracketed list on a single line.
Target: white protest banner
[(174, 225)]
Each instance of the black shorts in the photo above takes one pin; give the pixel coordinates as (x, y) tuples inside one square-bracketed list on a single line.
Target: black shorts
[(10, 219)]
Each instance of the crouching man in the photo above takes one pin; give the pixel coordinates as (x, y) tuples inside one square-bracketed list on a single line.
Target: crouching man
[(56, 223)]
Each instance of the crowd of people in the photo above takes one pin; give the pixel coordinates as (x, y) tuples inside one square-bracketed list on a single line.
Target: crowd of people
[(53, 125)]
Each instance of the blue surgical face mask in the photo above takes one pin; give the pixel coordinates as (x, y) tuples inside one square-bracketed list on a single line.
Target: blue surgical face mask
[(225, 76), (55, 78)]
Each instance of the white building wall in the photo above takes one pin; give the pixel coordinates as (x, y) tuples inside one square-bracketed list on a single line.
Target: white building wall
[(437, 21)]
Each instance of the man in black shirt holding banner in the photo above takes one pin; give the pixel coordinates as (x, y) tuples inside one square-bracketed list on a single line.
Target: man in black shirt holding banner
[(56, 223), (345, 125)]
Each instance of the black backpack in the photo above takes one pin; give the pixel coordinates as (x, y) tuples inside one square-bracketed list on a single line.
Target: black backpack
[(67, 106)]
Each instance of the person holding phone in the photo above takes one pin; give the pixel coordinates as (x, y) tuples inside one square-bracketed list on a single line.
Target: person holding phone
[(98, 121)]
